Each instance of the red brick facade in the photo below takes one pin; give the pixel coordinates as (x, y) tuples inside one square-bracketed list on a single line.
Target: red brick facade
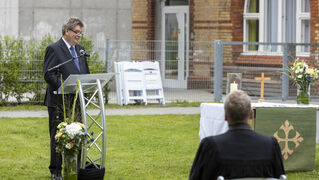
[(211, 20), (143, 27)]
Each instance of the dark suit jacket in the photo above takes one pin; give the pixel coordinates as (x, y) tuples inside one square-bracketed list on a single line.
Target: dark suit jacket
[(55, 54), (238, 153)]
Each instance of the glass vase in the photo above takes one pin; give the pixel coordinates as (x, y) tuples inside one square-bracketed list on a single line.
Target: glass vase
[(303, 95), (69, 169)]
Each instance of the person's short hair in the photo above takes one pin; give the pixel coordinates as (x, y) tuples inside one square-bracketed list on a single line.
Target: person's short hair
[(237, 107), (71, 23)]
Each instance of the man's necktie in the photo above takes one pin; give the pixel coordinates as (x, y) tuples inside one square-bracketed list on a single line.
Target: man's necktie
[(76, 61)]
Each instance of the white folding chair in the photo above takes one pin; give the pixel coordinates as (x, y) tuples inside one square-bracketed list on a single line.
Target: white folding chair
[(133, 79), (282, 177), (153, 81), (118, 81)]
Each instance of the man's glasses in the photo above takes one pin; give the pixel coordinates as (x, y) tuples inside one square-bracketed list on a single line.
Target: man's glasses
[(76, 32)]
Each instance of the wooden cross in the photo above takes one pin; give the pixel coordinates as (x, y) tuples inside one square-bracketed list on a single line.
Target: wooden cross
[(262, 79)]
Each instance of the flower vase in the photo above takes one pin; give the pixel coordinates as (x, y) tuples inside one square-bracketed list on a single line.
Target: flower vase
[(303, 95), (69, 170)]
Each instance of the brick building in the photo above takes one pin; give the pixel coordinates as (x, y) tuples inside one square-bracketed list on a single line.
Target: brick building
[(192, 21)]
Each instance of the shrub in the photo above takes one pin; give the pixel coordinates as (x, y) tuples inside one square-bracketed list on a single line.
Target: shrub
[(13, 63), (21, 66), (36, 58), (95, 64)]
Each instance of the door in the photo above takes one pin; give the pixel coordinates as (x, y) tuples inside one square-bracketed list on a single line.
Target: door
[(174, 62)]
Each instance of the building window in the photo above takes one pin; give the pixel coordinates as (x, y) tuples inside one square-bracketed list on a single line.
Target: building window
[(272, 24), (253, 24), (276, 21), (176, 2)]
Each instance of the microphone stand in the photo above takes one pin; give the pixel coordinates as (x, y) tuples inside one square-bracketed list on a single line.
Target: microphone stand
[(57, 68)]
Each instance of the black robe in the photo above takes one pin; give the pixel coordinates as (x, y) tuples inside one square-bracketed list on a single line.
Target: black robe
[(238, 153)]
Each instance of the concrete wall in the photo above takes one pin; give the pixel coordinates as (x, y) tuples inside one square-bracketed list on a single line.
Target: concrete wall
[(104, 19), (9, 15)]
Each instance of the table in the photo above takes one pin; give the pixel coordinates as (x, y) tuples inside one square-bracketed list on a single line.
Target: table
[(293, 125)]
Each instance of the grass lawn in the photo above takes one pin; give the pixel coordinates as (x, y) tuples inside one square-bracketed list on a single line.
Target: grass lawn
[(138, 147)]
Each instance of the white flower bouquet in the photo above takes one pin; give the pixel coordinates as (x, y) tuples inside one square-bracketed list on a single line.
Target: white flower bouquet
[(303, 76), (70, 137)]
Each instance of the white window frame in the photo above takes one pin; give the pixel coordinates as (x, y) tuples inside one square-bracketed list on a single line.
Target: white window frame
[(301, 16), (253, 16), (261, 17)]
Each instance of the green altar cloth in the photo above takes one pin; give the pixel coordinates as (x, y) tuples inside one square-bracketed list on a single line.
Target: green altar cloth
[(295, 130)]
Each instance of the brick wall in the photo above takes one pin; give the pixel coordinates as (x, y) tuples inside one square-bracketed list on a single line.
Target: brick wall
[(143, 16), (314, 38), (210, 20), (314, 27)]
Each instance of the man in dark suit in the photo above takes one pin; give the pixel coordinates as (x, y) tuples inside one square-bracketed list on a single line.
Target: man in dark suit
[(57, 53), (240, 152)]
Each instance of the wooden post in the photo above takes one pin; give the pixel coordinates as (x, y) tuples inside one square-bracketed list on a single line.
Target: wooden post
[(262, 79)]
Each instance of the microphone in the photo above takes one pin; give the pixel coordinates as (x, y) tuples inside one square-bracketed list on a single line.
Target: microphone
[(83, 53)]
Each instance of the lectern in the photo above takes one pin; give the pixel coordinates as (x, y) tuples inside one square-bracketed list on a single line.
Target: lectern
[(90, 92)]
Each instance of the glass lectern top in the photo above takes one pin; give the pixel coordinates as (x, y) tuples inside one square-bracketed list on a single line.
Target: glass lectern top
[(88, 82)]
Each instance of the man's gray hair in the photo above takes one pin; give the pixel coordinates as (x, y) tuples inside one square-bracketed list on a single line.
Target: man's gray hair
[(71, 23), (237, 107)]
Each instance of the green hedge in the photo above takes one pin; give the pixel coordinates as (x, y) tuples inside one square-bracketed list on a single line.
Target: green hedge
[(21, 66)]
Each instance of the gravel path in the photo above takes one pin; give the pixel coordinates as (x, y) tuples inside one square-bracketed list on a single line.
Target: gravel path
[(111, 112)]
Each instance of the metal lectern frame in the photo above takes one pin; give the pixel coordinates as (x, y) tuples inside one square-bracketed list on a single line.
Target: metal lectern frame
[(90, 84)]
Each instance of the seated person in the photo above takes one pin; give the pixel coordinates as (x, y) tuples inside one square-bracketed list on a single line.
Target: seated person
[(240, 152)]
